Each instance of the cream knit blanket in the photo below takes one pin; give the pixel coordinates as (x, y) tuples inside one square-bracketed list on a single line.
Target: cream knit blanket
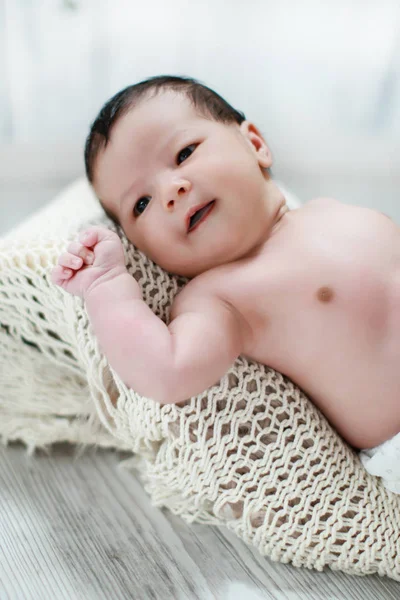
[(252, 453)]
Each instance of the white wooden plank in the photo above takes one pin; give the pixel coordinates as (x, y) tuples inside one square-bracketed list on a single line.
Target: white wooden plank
[(82, 528), (90, 538)]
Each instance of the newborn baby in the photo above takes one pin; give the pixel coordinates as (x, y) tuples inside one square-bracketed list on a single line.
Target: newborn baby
[(313, 293)]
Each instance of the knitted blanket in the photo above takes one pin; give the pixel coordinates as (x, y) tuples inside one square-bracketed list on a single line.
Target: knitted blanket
[(252, 453)]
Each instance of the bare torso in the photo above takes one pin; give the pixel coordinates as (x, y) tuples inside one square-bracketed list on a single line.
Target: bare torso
[(321, 304)]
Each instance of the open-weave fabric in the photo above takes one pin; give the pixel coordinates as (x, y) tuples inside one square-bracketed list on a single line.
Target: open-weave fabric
[(252, 453)]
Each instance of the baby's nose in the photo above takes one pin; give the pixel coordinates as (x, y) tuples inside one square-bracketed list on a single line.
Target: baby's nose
[(176, 192)]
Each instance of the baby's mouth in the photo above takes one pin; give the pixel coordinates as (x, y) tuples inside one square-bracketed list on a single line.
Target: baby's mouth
[(199, 215)]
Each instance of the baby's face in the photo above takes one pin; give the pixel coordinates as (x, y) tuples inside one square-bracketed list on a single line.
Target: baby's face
[(163, 162)]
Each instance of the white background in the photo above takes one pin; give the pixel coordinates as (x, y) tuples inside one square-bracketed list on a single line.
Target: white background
[(320, 79)]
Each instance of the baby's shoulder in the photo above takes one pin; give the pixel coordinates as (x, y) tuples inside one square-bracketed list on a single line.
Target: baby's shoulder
[(322, 202), (198, 289), (322, 210), (209, 286)]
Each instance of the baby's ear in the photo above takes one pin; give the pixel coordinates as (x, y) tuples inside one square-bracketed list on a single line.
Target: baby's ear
[(257, 142)]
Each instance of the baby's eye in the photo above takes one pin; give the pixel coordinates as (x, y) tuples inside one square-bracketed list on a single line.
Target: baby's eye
[(185, 153), (140, 205)]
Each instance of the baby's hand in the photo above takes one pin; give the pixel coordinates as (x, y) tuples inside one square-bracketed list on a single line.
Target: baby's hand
[(97, 256)]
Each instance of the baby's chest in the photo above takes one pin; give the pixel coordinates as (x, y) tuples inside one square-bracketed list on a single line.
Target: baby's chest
[(314, 298)]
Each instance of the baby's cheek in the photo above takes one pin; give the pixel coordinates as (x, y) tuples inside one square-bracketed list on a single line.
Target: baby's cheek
[(149, 245)]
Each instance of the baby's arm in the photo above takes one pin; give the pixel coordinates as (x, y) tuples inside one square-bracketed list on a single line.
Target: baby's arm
[(168, 364), (206, 338)]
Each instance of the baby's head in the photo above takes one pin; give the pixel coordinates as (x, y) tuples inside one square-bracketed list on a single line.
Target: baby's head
[(184, 174)]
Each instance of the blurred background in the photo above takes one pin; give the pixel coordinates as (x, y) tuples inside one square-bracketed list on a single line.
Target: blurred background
[(320, 79), (322, 82)]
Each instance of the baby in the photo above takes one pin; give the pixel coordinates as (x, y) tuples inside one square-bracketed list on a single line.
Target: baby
[(313, 292)]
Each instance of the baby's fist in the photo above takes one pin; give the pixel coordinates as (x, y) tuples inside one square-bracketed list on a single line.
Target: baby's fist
[(96, 257)]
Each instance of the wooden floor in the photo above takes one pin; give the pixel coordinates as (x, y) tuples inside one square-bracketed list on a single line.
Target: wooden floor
[(79, 527), (82, 527)]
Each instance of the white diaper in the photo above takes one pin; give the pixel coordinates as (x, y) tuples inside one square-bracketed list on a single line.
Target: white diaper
[(384, 461)]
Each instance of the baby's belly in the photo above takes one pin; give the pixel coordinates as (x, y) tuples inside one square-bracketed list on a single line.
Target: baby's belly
[(359, 396), (344, 352)]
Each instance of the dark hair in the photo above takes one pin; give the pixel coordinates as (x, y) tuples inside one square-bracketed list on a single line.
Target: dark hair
[(208, 102)]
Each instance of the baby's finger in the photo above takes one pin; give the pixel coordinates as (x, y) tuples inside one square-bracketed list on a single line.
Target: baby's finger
[(94, 235), (70, 260), (60, 274), (89, 237), (77, 249)]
